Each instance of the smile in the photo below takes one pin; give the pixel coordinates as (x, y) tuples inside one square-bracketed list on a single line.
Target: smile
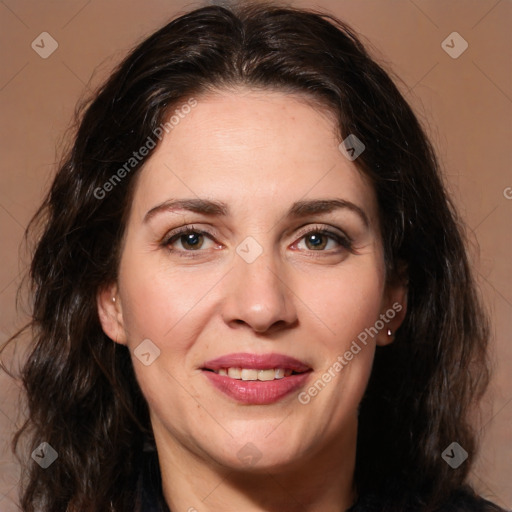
[(252, 374), (256, 379)]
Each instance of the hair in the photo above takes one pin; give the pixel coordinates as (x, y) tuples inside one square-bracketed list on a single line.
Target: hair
[(83, 398)]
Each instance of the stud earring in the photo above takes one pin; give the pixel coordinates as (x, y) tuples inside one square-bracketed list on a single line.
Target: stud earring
[(113, 299), (390, 332)]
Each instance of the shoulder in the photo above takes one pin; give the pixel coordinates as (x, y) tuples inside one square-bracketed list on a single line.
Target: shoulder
[(465, 500), (461, 500)]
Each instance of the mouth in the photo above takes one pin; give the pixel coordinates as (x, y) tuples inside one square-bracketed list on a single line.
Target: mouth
[(253, 374), (256, 379)]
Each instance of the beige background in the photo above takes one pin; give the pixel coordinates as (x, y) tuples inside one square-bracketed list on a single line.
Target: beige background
[(466, 103)]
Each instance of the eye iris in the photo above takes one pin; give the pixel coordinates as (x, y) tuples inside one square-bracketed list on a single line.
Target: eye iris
[(194, 240), (191, 240), (316, 239)]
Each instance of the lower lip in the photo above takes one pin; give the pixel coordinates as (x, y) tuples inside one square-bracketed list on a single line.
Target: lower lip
[(256, 392)]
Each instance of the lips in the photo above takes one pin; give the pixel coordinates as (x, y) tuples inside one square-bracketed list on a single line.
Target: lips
[(257, 362), (256, 379)]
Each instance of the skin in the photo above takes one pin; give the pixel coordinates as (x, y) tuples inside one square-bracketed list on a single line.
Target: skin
[(259, 152)]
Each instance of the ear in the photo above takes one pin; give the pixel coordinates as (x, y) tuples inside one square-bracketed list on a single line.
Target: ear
[(111, 314), (394, 308)]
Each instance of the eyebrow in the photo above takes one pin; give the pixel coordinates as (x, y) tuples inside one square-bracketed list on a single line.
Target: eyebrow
[(218, 208)]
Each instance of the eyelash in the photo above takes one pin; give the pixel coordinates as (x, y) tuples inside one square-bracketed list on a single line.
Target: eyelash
[(343, 241)]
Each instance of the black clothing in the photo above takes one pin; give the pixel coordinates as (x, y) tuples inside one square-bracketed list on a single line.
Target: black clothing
[(150, 497)]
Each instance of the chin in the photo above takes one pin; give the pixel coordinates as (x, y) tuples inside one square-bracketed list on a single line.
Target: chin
[(257, 453)]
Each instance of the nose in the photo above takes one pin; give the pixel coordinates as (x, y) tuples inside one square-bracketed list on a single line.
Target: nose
[(258, 296)]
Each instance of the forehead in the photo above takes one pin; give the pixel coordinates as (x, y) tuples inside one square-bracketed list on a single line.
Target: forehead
[(257, 148)]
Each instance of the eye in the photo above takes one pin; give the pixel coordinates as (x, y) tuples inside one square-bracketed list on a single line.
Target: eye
[(188, 239), (323, 240)]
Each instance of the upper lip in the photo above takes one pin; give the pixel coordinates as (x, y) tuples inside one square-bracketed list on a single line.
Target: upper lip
[(256, 362)]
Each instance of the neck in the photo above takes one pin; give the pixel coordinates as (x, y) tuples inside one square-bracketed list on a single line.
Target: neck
[(321, 481)]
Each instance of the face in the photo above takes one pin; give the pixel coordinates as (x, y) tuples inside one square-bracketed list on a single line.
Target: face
[(253, 264)]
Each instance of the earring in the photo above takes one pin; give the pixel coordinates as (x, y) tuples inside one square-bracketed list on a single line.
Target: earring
[(113, 299), (390, 332)]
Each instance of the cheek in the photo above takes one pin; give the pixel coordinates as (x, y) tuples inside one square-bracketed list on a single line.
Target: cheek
[(345, 302), (157, 299), (348, 305), (161, 305)]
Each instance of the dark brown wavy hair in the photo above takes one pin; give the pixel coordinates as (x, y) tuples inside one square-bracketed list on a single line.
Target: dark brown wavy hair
[(83, 398)]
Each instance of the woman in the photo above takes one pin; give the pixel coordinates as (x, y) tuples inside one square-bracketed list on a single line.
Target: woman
[(251, 290)]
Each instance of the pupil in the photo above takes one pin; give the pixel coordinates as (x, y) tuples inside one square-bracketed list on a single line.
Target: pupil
[(192, 239), (315, 240)]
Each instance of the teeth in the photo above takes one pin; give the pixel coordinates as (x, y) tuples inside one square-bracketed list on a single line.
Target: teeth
[(235, 373), (251, 374), (266, 374), (279, 373)]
